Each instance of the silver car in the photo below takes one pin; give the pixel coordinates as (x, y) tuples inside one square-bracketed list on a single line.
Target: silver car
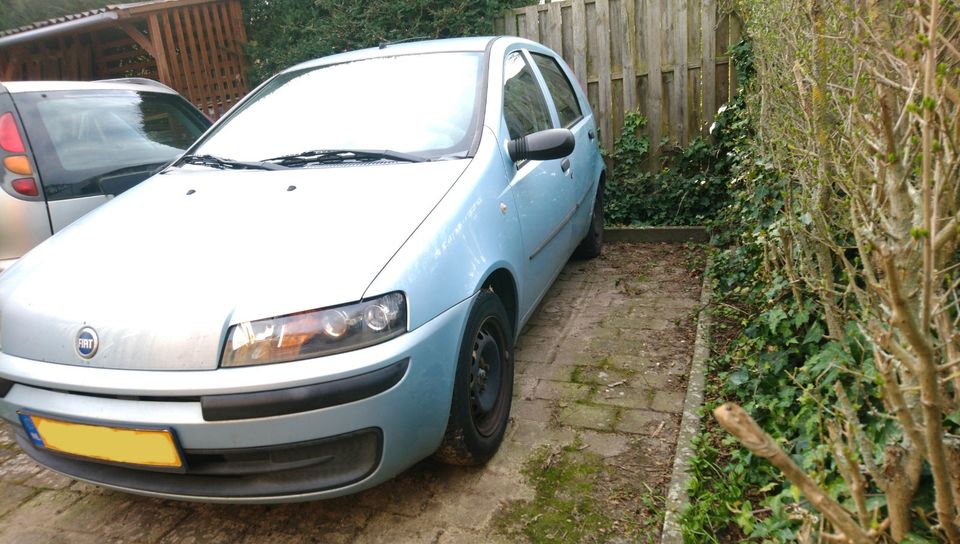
[(68, 146), (325, 289)]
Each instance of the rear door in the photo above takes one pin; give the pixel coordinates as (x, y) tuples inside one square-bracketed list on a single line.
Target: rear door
[(24, 222)]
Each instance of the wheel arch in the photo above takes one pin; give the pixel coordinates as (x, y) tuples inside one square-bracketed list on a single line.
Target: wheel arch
[(502, 282)]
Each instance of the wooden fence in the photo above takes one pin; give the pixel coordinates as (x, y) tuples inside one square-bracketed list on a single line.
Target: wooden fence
[(615, 46)]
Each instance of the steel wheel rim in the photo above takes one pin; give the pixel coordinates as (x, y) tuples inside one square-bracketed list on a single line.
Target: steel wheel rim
[(487, 376)]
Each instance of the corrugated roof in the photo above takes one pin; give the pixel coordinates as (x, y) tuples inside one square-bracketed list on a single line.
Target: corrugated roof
[(82, 15), (55, 20)]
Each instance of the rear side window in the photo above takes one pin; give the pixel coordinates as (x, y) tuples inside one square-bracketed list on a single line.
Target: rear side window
[(564, 97), (95, 142), (524, 107)]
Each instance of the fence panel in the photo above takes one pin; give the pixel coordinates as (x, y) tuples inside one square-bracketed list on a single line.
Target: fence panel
[(666, 59)]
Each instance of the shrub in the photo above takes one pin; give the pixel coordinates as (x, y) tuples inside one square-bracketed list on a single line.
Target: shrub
[(284, 32), (844, 284)]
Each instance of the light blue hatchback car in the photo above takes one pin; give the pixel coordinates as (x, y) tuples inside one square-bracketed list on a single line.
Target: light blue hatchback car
[(324, 290)]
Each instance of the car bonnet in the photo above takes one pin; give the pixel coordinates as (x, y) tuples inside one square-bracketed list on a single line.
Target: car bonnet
[(162, 272)]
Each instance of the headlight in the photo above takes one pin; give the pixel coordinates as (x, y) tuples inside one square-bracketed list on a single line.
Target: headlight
[(316, 333)]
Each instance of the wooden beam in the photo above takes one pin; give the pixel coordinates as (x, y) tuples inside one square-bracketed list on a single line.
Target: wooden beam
[(236, 12), (12, 63), (137, 36), (154, 7), (170, 51), (187, 87), (228, 64), (159, 53)]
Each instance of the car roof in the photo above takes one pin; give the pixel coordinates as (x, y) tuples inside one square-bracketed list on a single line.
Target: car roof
[(477, 44), (106, 85)]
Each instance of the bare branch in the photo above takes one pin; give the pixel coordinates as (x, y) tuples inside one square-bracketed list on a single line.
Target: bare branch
[(738, 423)]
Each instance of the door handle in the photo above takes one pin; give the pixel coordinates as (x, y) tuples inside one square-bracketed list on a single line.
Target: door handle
[(591, 134), (565, 165)]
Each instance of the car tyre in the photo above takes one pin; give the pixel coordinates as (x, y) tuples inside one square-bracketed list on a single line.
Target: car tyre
[(482, 387), (592, 243)]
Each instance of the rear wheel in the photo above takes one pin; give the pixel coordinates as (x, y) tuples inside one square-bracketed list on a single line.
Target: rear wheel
[(483, 386), (592, 243)]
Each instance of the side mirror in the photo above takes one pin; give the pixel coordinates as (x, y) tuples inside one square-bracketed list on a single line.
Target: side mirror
[(553, 143)]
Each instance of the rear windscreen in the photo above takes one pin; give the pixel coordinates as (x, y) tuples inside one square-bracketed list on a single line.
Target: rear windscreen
[(103, 142)]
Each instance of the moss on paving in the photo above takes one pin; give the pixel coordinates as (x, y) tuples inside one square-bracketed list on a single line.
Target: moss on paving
[(573, 502)]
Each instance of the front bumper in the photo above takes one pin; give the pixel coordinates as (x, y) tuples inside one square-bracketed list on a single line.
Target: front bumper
[(324, 451)]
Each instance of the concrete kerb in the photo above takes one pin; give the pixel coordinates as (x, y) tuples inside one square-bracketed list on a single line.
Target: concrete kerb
[(677, 499), (672, 235)]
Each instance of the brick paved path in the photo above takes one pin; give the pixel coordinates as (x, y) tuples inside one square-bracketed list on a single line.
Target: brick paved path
[(603, 361)]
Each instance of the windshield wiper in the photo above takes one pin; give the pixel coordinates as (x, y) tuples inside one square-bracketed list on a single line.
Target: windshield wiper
[(224, 164), (342, 155)]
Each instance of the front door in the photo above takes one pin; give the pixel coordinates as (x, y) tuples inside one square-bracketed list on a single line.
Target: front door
[(544, 190)]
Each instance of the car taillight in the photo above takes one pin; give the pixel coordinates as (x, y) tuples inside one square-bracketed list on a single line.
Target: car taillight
[(10, 139), (18, 164), (26, 187)]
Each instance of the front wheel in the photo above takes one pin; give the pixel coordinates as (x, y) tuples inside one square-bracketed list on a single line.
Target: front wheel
[(483, 386), (592, 243)]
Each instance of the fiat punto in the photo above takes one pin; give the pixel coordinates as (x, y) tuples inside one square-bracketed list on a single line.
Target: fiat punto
[(323, 290)]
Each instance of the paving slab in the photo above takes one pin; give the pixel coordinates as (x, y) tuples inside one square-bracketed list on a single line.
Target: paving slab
[(601, 371)]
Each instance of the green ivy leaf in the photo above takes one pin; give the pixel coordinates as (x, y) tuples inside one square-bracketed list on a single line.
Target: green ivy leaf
[(954, 417), (795, 493), (774, 317), (740, 376), (814, 334)]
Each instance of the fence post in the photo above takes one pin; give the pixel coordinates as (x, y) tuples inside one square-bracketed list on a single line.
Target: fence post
[(708, 63), (654, 79)]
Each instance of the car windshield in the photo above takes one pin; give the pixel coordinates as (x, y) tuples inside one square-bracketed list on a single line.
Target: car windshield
[(90, 142), (423, 105)]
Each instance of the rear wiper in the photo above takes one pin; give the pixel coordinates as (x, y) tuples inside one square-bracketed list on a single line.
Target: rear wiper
[(342, 155), (223, 164)]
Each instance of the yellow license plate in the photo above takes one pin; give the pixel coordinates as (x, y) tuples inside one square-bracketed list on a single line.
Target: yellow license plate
[(149, 447)]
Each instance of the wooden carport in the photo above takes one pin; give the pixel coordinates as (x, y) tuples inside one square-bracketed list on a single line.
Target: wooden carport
[(193, 46)]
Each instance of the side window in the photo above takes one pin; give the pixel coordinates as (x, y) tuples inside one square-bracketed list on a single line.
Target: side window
[(524, 107), (564, 97)]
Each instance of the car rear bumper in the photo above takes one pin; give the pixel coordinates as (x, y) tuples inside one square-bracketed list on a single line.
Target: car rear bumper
[(280, 444)]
